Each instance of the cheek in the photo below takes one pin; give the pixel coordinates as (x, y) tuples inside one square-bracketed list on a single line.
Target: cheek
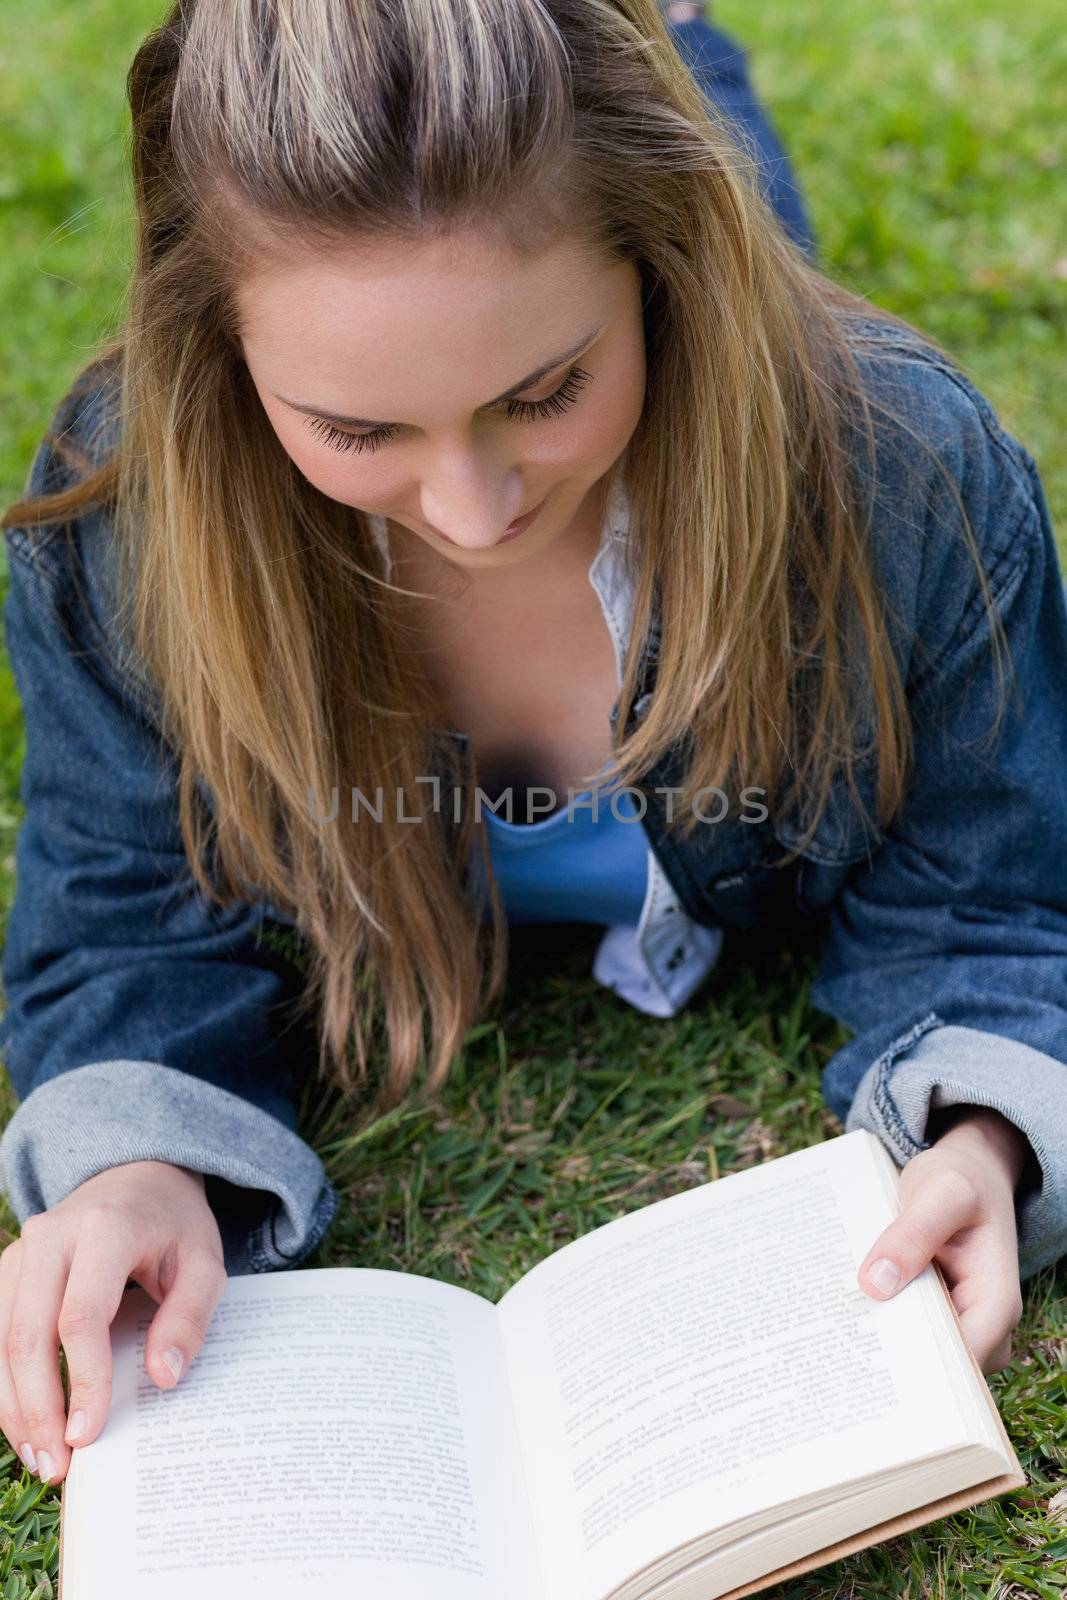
[(340, 475), (617, 399), (590, 437), (623, 404)]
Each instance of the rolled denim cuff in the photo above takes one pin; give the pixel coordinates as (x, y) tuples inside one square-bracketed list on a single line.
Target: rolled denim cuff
[(109, 1112), (937, 1064)]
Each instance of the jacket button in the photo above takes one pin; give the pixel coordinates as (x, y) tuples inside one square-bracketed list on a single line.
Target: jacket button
[(722, 884), (676, 958)]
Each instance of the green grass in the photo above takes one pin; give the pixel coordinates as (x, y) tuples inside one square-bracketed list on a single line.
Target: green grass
[(931, 137)]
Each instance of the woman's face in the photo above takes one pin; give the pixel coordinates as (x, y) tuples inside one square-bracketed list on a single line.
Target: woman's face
[(384, 374)]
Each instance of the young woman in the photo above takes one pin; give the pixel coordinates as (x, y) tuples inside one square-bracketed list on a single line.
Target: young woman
[(475, 428)]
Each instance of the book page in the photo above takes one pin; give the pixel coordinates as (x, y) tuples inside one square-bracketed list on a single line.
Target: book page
[(341, 1431), (712, 1355)]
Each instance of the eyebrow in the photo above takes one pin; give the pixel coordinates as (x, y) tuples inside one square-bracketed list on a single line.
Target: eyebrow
[(509, 394)]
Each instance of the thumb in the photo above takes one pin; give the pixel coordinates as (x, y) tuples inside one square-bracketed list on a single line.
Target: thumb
[(178, 1328), (933, 1212)]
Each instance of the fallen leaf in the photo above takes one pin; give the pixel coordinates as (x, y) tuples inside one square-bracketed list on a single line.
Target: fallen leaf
[(727, 1105)]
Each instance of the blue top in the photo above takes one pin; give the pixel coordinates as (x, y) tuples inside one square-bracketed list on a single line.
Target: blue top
[(573, 869)]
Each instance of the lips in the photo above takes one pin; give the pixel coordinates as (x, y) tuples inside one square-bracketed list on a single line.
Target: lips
[(520, 523)]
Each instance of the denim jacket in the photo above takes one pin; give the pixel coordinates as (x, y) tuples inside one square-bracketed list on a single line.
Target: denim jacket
[(142, 1025)]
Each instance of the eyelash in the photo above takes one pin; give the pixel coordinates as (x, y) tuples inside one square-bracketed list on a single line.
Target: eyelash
[(521, 410)]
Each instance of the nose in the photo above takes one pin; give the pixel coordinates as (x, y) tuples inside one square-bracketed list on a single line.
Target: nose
[(468, 540), (470, 506)]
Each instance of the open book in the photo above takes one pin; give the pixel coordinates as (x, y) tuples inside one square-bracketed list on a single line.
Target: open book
[(695, 1400)]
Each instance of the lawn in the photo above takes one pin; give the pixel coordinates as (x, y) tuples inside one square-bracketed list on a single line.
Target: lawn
[(931, 138)]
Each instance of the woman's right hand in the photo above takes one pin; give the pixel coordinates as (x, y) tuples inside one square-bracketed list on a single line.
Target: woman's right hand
[(62, 1280)]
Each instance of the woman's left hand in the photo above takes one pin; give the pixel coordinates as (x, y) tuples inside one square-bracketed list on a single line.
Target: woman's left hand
[(959, 1210)]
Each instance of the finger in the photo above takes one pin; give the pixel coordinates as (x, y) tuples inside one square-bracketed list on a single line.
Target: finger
[(178, 1328), (998, 1358), (95, 1286), (10, 1414), (988, 1294), (33, 1341), (988, 1315), (935, 1209)]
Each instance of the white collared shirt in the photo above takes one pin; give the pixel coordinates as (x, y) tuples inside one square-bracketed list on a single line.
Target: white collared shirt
[(658, 964)]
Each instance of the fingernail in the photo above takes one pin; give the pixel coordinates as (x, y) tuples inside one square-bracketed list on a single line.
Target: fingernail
[(27, 1457), (884, 1274), (45, 1468), (175, 1361), (76, 1425)]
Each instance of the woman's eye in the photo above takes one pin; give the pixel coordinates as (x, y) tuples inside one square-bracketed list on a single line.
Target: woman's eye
[(338, 439), (522, 410), (555, 404)]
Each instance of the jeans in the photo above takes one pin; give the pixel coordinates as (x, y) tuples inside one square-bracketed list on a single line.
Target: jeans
[(718, 64)]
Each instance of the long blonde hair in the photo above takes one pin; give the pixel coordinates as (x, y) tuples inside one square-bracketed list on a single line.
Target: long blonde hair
[(258, 605)]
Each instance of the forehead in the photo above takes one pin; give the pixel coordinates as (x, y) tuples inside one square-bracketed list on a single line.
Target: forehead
[(464, 310), (472, 277)]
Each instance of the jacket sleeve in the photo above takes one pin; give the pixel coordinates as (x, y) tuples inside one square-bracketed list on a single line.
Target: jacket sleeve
[(140, 1024), (947, 948)]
